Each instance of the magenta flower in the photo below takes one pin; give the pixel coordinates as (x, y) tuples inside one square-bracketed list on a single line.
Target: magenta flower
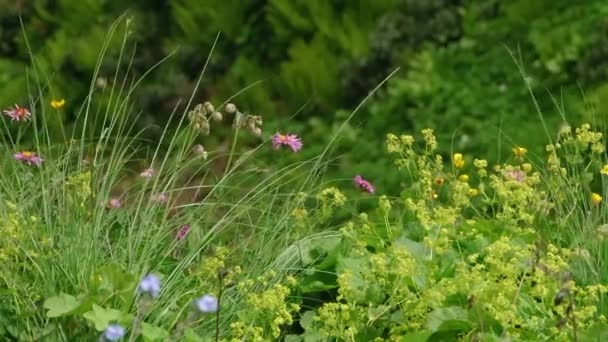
[(147, 173), (291, 140), (114, 203), (30, 158), (364, 184), (183, 232), (18, 113)]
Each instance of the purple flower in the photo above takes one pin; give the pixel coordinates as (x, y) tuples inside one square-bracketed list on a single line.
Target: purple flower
[(114, 203), (114, 332), (291, 140), (18, 113), (364, 184), (30, 158), (207, 304), (183, 232), (147, 173), (150, 284)]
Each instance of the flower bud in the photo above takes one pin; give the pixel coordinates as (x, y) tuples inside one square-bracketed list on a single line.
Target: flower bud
[(198, 149), (208, 107), (257, 119), (257, 131), (230, 108), (205, 128), (238, 120), (217, 116)]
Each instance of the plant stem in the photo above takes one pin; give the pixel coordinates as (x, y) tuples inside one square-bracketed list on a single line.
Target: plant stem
[(219, 308), (232, 149)]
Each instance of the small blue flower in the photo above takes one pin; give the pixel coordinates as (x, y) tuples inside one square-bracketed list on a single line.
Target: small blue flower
[(207, 304), (150, 284), (114, 332)]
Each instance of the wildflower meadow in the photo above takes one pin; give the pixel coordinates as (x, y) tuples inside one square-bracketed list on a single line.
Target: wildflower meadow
[(110, 236)]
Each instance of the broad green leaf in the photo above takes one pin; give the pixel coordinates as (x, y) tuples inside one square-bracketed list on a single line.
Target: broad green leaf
[(378, 312), (191, 336), (318, 281), (306, 319), (455, 325), (440, 316), (416, 249), (418, 336), (153, 333), (61, 305), (102, 317)]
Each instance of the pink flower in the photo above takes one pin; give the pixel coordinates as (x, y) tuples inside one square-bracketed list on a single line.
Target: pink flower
[(18, 113), (160, 198), (114, 203), (364, 184), (147, 173), (30, 158), (290, 140), (183, 232), (516, 175)]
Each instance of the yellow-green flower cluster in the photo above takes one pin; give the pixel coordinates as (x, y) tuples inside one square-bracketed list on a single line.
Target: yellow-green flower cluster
[(589, 139), (330, 198), (267, 308)]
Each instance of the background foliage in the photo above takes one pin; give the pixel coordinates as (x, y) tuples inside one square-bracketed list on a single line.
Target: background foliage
[(460, 65)]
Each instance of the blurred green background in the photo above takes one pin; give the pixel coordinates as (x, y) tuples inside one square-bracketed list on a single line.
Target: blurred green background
[(317, 59)]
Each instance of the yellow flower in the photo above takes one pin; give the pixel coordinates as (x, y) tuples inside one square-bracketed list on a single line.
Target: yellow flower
[(458, 160), (473, 192), (519, 151), (439, 181), (596, 198), (57, 104), (464, 178), (604, 170)]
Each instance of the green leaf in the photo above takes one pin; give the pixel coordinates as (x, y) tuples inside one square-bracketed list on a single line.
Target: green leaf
[(418, 336), (307, 319), (153, 333), (378, 312), (102, 317), (318, 282), (191, 336), (450, 318), (115, 278), (293, 338), (61, 305)]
